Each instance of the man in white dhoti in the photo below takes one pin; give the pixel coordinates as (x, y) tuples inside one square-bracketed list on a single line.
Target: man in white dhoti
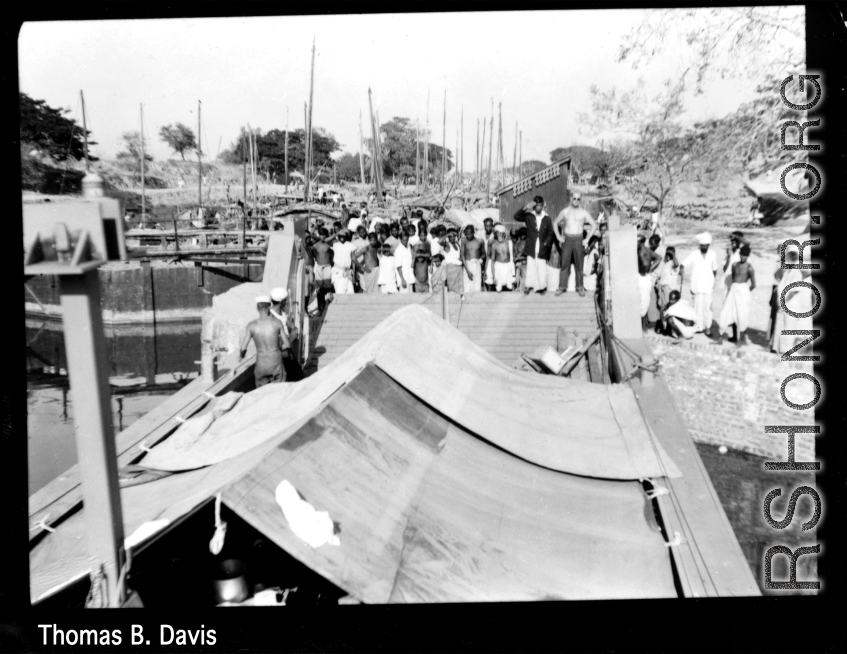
[(539, 238), (704, 268), (489, 237), (736, 306), (503, 260), (473, 254)]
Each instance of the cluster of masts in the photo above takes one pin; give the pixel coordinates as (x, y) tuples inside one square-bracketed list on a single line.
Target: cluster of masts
[(481, 179)]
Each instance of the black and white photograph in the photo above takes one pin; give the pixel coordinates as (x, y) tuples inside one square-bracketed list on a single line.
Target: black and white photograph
[(420, 308)]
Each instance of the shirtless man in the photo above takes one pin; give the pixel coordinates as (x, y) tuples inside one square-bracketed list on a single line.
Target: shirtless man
[(473, 260), (488, 225), (369, 265), (322, 255), (279, 297), (573, 244), (271, 342), (736, 306), (502, 260)]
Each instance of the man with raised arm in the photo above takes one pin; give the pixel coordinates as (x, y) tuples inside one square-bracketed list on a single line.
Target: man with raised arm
[(573, 243), (539, 238), (271, 342)]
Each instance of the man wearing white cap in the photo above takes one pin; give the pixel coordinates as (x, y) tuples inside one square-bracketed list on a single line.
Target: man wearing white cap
[(278, 297), (271, 342), (704, 269), (293, 371)]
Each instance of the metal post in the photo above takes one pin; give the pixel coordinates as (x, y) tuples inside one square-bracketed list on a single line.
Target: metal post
[(85, 348), (445, 308)]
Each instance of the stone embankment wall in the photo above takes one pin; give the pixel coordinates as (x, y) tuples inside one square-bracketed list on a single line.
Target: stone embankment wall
[(727, 396)]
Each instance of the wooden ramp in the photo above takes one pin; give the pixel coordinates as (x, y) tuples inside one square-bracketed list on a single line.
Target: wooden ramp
[(504, 324)]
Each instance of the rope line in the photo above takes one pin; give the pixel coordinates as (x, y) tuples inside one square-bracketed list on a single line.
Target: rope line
[(217, 542)]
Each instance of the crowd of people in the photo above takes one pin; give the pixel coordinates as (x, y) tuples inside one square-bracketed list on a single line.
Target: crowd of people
[(664, 309), (364, 254)]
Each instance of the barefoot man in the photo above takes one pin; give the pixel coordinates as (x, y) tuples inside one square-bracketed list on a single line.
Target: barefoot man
[(473, 257), (573, 244), (539, 238), (269, 336), (736, 306), (369, 265), (503, 260)]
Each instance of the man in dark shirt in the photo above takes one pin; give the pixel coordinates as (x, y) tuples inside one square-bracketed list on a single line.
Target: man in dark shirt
[(539, 238)]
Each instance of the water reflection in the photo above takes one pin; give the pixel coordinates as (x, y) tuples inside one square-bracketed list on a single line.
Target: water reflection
[(147, 364)]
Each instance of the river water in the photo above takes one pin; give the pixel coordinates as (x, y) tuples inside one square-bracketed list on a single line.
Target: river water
[(147, 364)]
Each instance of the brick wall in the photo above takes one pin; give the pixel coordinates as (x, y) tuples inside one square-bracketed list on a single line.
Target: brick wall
[(727, 396)]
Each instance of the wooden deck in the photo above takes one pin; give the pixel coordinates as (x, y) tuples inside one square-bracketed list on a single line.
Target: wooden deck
[(504, 324)]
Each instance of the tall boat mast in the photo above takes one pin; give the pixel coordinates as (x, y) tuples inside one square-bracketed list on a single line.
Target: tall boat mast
[(376, 158), (426, 146), (199, 165), (490, 152), (515, 155), (309, 135), (286, 150), (444, 144), (361, 151), (143, 198), (462, 159), (84, 131)]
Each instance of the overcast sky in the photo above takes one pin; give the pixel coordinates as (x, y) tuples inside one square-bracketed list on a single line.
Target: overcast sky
[(540, 65)]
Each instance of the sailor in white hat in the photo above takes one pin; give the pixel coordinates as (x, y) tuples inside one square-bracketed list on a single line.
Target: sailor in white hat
[(279, 297), (704, 267), (269, 337)]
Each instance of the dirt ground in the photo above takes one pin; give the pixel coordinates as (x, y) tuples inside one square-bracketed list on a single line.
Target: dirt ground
[(763, 241)]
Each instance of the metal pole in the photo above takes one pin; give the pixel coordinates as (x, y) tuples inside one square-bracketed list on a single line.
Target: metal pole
[(445, 307), (88, 372), (462, 164)]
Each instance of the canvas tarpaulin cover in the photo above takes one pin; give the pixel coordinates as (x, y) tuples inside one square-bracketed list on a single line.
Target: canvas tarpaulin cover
[(567, 425), (450, 476)]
